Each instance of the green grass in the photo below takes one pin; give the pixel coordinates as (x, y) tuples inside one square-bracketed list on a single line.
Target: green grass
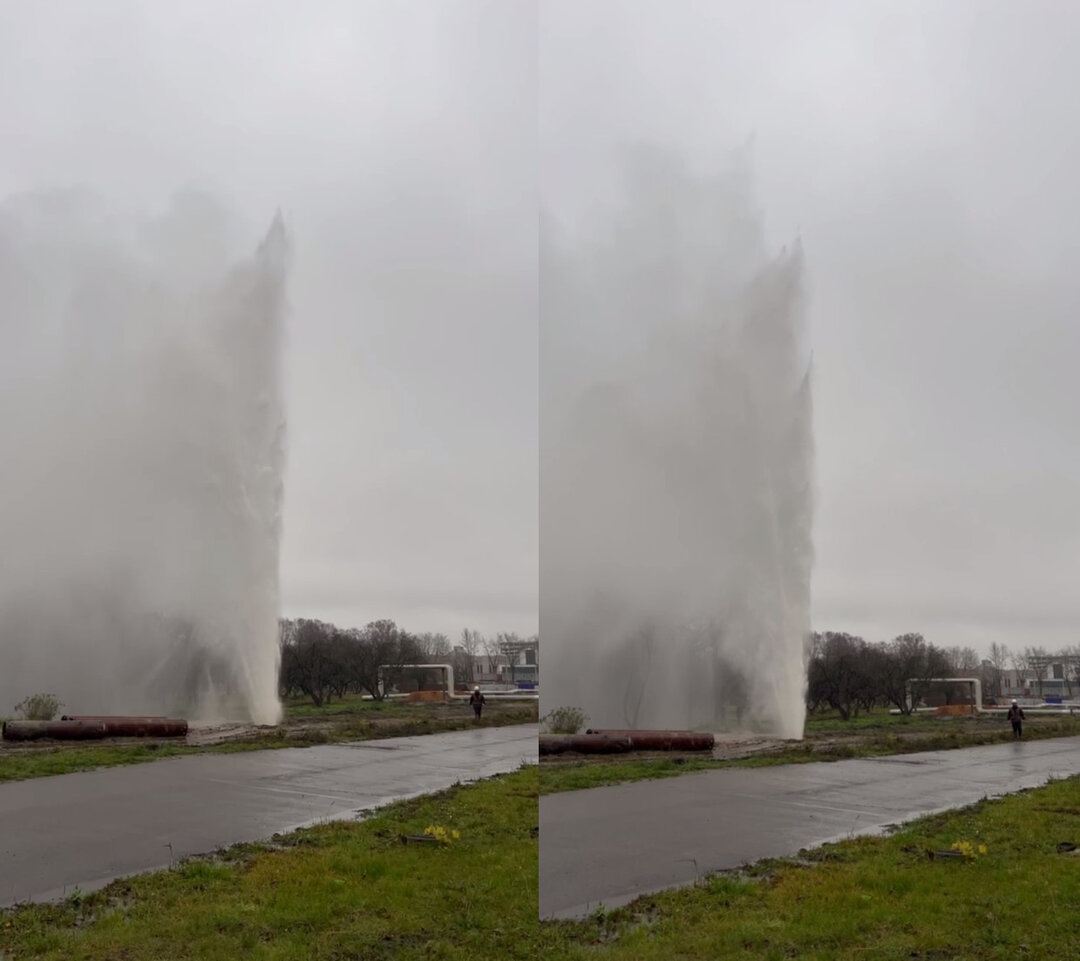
[(874, 735), (579, 775), (18, 764), (830, 721), (882, 719), (340, 891), (871, 899), (349, 704)]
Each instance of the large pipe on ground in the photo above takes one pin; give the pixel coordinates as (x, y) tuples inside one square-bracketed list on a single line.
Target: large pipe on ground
[(84, 728), (583, 744), (660, 740), (58, 730), (135, 726)]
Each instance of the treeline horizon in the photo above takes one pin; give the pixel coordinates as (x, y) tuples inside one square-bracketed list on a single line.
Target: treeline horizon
[(321, 660), (851, 675)]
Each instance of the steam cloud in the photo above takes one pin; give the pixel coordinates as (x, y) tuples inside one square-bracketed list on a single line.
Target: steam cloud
[(142, 433), (677, 449)]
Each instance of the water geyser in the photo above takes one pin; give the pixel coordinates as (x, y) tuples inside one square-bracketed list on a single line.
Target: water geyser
[(677, 450), (142, 437)]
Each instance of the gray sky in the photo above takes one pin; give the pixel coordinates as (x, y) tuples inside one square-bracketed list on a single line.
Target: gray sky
[(927, 153), (399, 139)]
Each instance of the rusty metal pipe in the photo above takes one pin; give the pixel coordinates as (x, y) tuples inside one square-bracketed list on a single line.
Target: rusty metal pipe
[(137, 726), (672, 742), (82, 727), (583, 744), (660, 740), (168, 727), (58, 730)]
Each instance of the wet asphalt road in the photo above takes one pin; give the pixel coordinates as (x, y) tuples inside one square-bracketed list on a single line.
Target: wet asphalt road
[(609, 845), (86, 829)]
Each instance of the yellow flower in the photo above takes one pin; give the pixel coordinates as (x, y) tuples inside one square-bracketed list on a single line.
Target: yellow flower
[(967, 849), (441, 834)]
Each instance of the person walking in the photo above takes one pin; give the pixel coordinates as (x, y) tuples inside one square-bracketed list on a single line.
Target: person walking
[(477, 700), (1016, 715)]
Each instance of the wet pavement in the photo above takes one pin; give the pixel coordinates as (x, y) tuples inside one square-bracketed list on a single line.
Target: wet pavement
[(609, 845), (86, 829)]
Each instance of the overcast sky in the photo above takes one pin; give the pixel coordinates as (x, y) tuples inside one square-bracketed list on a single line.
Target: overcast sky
[(928, 153), (399, 139)]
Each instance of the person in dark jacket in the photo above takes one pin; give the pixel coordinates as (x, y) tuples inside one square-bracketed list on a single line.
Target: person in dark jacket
[(1016, 715), (477, 700)]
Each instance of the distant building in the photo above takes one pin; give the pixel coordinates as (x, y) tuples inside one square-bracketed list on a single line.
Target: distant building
[(1052, 676), (517, 663)]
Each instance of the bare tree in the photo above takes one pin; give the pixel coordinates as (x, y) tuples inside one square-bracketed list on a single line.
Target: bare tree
[(1019, 662), (339, 668), (510, 646), (308, 660), (902, 669), (465, 654), (1071, 656), (432, 648), (379, 647), (427, 648), (999, 660), (958, 662), (490, 645), (1038, 664), (963, 661), (839, 674)]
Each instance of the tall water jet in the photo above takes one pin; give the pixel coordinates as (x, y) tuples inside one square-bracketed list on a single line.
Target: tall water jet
[(142, 437), (676, 452)]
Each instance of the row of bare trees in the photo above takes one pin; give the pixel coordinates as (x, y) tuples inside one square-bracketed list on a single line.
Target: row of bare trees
[(322, 661), (851, 675)]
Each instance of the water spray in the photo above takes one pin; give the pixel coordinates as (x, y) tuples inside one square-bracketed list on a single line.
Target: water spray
[(142, 434), (676, 491)]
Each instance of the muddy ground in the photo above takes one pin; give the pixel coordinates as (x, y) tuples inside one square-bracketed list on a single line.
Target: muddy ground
[(396, 720), (390, 723), (732, 746)]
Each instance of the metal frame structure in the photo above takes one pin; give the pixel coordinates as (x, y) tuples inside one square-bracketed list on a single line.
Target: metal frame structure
[(448, 670), (975, 682)]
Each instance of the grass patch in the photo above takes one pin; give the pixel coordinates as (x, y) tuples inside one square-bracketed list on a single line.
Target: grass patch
[(19, 763), (882, 720), (873, 735), (583, 774), (826, 721), (880, 898), (350, 704), (580, 775), (340, 891)]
